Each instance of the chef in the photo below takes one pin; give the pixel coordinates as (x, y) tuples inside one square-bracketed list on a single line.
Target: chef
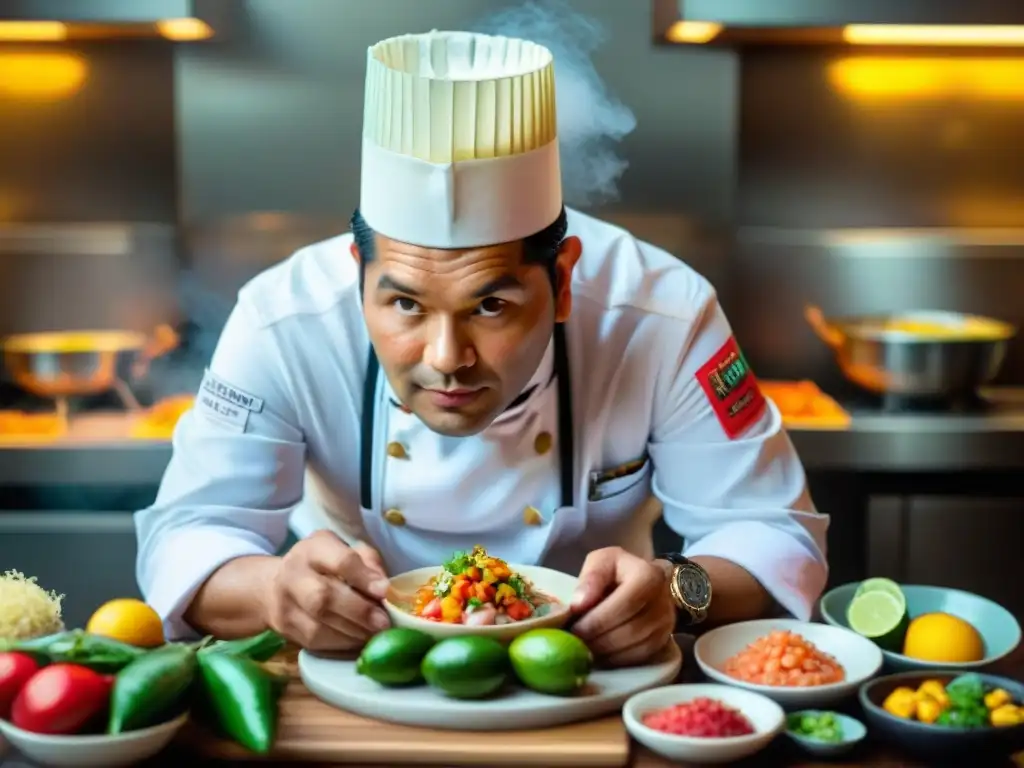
[(476, 364)]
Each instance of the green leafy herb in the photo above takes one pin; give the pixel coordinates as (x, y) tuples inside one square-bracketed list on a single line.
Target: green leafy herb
[(517, 583), (458, 563), (966, 692), (474, 602)]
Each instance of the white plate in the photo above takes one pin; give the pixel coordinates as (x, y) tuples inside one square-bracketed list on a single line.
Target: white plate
[(860, 657), (764, 715), (554, 583), (337, 683), (93, 751)]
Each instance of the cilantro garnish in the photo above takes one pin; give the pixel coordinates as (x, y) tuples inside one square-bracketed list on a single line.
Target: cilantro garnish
[(458, 563), (475, 602), (516, 582)]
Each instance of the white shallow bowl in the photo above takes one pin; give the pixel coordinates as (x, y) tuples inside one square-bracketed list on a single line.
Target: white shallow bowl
[(860, 658), (93, 751), (554, 583), (764, 715)]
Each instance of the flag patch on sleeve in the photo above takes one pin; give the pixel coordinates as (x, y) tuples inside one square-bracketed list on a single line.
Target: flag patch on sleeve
[(731, 388)]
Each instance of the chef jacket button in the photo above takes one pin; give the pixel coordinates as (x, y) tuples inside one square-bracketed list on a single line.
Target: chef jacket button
[(542, 443), (394, 517), (531, 516), (397, 451)]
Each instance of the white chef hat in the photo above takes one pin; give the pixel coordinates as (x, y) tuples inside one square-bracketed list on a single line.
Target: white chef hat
[(460, 143)]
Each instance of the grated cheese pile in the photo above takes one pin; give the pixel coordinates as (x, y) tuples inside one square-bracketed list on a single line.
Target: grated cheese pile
[(26, 609)]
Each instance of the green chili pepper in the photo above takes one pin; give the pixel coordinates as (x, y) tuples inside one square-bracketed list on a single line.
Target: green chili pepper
[(242, 697), (259, 647), (102, 654), (150, 689)]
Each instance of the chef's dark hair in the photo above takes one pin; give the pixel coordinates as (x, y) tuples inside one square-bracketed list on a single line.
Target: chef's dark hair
[(538, 248)]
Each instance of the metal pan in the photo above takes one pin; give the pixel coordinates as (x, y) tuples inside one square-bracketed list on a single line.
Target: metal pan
[(916, 354), (77, 363)]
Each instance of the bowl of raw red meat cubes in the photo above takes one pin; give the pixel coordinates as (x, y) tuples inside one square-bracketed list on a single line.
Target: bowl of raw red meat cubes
[(796, 663), (703, 723)]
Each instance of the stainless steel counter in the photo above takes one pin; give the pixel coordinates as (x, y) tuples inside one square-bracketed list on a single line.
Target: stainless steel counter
[(874, 442)]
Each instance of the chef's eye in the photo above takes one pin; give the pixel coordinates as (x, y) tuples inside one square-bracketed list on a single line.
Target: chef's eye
[(406, 306), (491, 307)]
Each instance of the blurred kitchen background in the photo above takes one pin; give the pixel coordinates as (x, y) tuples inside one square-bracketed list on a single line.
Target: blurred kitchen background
[(155, 154)]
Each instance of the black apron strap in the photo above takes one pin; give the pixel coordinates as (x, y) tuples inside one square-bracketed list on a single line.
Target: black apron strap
[(368, 426), (565, 431)]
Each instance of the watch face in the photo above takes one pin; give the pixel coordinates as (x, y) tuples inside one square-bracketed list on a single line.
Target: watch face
[(694, 585)]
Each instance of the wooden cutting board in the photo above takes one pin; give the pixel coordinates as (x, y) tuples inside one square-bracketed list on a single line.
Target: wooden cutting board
[(314, 732)]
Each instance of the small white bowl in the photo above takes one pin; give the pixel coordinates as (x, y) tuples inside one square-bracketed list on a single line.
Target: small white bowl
[(553, 583), (860, 658), (93, 750), (764, 715)]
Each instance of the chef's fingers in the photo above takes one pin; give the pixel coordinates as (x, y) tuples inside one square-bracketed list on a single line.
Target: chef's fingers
[(335, 603), (330, 556), (312, 634), (627, 642), (597, 579), (371, 558), (638, 588), (642, 651)]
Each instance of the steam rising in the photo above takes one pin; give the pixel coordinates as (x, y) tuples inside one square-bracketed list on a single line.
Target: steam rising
[(591, 121)]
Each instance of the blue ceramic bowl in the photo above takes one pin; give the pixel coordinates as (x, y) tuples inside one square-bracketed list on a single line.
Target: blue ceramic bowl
[(974, 746), (997, 626), (853, 734)]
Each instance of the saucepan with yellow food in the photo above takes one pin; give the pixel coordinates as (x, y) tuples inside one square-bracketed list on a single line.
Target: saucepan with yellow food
[(75, 363), (927, 354)]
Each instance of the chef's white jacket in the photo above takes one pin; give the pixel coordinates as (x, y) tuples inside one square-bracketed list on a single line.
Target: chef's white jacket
[(274, 439)]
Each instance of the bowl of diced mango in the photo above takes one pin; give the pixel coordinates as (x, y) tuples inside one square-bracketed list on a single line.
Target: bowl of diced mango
[(947, 714)]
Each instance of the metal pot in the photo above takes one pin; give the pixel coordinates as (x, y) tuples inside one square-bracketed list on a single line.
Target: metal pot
[(916, 354), (75, 363)]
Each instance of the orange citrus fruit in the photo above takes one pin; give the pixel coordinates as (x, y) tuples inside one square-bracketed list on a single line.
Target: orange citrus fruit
[(942, 637), (128, 620)]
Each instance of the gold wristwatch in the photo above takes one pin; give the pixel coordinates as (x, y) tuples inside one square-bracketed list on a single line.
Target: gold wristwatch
[(690, 587)]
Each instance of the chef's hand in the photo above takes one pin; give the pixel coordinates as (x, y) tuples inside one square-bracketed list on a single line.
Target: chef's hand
[(326, 595), (626, 613)]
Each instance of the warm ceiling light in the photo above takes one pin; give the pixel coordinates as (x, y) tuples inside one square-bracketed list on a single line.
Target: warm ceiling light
[(41, 76), (912, 78), (184, 30), (32, 31), (895, 34), (693, 32)]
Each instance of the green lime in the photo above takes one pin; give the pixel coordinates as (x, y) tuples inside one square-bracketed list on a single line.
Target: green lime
[(551, 661), (879, 616), (393, 657), (879, 584), (466, 667)]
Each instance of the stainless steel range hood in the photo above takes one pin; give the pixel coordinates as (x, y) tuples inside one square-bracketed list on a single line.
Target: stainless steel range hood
[(58, 20), (917, 23)]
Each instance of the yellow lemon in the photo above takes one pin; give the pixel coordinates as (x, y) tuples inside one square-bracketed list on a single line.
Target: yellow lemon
[(128, 620), (943, 638)]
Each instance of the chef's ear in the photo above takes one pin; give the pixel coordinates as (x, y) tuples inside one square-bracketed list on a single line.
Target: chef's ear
[(569, 253), (354, 250)]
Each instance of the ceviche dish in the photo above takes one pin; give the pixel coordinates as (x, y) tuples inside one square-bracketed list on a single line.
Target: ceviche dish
[(477, 589)]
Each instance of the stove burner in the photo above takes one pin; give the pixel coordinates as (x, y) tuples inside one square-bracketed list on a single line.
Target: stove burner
[(13, 398)]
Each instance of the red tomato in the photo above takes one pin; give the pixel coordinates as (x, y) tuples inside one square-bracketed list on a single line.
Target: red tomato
[(61, 699), (432, 610), (518, 610), (15, 671)]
